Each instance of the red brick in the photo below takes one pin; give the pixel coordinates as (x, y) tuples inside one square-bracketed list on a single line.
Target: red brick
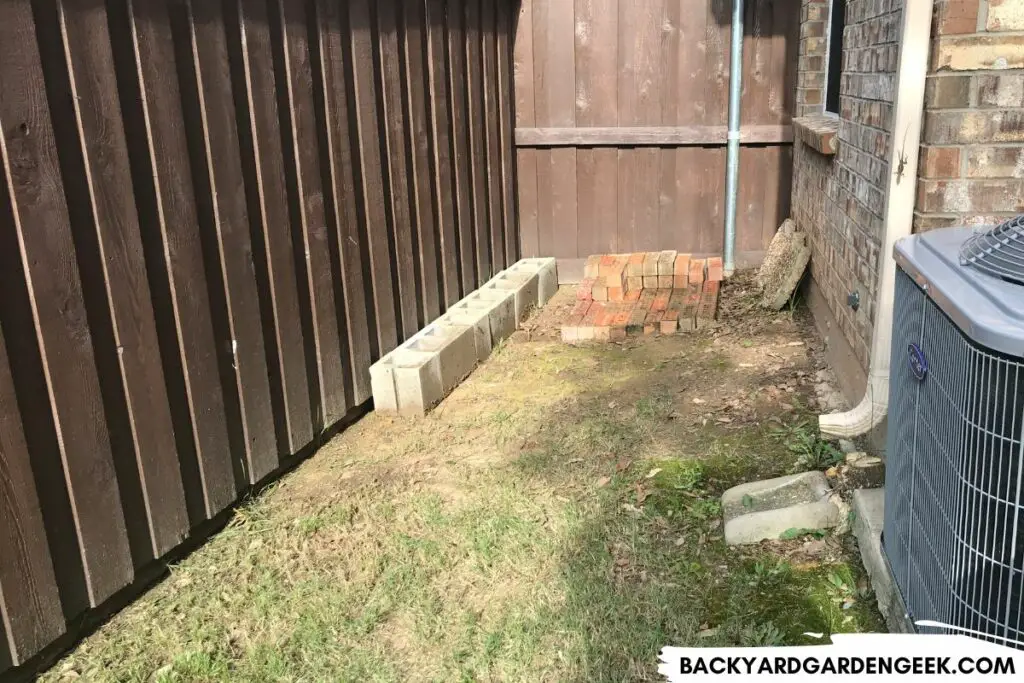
[(634, 283), (666, 263), (585, 290), (591, 268), (708, 307), (956, 16), (697, 270), (715, 272), (688, 313), (681, 271), (661, 300), (606, 265), (665, 281), (650, 281), (599, 292), (940, 162), (615, 294), (652, 323), (633, 295), (651, 264), (635, 265), (669, 326)]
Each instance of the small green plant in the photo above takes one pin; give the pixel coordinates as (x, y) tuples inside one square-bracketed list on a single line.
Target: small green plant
[(793, 534), (761, 635), (811, 451), (706, 509)]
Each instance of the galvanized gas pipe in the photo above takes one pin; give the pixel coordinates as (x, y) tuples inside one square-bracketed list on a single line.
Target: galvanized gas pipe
[(732, 159)]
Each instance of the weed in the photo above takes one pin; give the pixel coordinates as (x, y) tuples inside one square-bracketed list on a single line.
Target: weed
[(811, 451)]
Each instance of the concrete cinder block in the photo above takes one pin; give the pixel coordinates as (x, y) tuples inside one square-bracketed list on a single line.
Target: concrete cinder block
[(454, 347), (501, 311), (382, 384), (524, 284), (417, 380), (547, 276), (474, 316)]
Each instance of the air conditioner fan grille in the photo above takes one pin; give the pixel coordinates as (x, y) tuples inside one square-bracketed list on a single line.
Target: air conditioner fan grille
[(998, 252)]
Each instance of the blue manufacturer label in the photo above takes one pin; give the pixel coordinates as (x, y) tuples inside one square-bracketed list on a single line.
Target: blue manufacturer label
[(918, 363)]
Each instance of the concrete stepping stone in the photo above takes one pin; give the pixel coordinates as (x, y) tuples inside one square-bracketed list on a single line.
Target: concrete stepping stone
[(763, 510)]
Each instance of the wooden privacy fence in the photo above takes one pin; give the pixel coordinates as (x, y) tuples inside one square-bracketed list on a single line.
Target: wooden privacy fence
[(214, 217), (621, 113)]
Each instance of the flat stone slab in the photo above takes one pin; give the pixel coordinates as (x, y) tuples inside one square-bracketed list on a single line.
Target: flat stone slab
[(784, 265), (763, 510)]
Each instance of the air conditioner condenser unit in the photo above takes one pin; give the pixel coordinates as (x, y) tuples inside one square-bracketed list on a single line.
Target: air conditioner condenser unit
[(954, 500)]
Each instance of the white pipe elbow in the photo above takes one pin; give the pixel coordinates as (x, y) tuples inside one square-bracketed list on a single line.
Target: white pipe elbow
[(868, 414)]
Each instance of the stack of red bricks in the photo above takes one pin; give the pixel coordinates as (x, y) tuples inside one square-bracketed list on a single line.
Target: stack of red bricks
[(633, 294)]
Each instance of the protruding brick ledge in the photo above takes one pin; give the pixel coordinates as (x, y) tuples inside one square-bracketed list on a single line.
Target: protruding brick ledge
[(819, 132)]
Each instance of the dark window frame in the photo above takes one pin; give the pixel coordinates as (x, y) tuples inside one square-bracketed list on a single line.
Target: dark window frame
[(834, 55)]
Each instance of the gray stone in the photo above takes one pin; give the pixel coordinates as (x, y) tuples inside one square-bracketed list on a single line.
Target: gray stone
[(764, 510), (784, 265), (868, 519)]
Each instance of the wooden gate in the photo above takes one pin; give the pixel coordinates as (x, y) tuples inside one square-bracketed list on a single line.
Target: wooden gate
[(621, 112)]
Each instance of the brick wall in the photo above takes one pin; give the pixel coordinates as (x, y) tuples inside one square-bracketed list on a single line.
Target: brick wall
[(972, 162), (810, 87), (840, 200)]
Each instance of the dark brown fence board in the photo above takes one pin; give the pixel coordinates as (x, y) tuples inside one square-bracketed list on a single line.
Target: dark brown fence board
[(29, 602), (491, 122), (311, 213), (415, 66), (477, 150), (457, 68), (505, 130), (351, 240), (396, 167), (439, 102), (225, 201), (166, 153), (371, 175), (269, 206), (213, 218), (44, 233), (109, 213)]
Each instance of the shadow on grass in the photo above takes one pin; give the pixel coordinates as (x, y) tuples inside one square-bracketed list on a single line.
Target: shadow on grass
[(644, 564)]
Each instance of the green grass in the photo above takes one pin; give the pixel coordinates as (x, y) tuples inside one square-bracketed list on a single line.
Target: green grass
[(557, 520)]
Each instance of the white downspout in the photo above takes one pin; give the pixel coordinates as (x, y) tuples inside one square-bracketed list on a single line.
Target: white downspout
[(905, 140)]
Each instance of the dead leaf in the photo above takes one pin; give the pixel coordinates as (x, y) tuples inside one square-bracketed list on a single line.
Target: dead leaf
[(641, 494), (724, 420), (623, 465), (653, 473), (603, 481), (699, 401), (708, 633), (679, 541), (795, 343)]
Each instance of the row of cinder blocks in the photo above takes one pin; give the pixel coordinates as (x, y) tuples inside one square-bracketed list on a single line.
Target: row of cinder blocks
[(418, 374)]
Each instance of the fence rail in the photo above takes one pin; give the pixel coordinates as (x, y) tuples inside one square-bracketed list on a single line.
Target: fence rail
[(621, 112), (213, 217)]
